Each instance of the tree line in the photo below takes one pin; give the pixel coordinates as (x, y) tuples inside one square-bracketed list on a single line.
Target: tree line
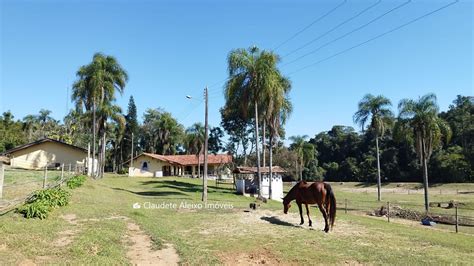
[(419, 141)]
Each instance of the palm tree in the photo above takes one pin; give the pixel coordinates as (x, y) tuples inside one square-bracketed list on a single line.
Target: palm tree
[(43, 118), (106, 112), (376, 110), (195, 137), (29, 125), (304, 150), (419, 121), (96, 85), (252, 75), (278, 110)]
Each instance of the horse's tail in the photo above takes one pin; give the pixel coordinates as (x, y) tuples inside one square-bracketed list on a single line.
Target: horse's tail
[(330, 204)]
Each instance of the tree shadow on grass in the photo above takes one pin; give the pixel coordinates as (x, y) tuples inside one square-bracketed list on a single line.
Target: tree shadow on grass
[(153, 193), (185, 186), (277, 221)]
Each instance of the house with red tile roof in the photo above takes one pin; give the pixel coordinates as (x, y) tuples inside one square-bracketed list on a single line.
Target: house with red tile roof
[(157, 165)]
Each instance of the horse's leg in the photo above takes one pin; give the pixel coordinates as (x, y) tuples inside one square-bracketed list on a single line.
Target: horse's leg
[(301, 212), (325, 215), (307, 212)]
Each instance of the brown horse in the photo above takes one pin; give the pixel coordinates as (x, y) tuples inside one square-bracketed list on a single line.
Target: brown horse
[(313, 193)]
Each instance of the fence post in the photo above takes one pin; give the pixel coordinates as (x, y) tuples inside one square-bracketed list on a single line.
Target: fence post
[(345, 205), (45, 176), (457, 221), (388, 211), (2, 175), (69, 168), (62, 174)]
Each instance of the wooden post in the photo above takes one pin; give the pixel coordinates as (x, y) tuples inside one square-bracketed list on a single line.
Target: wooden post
[(345, 205), (62, 174), (206, 129), (2, 176), (457, 220), (45, 176), (388, 211), (69, 168)]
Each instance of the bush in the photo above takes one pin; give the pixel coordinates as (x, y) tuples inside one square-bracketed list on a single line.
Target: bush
[(43, 201), (37, 209), (76, 181), (54, 197)]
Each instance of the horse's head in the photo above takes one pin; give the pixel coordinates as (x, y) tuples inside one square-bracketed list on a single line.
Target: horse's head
[(286, 205)]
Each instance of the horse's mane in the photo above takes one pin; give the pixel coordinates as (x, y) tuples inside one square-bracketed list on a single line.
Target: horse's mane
[(293, 189)]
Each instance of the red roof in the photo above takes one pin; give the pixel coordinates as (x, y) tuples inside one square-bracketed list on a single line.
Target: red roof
[(191, 159)]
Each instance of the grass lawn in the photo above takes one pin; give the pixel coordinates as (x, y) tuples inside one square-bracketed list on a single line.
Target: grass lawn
[(92, 227), (20, 183)]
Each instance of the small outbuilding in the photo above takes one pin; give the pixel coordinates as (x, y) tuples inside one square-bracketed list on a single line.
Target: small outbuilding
[(46, 152), (247, 181)]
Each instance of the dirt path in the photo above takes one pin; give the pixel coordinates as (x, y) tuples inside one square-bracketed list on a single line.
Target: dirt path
[(138, 243), (141, 252)]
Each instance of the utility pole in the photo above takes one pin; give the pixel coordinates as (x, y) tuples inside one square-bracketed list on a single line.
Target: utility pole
[(204, 179), (131, 154)]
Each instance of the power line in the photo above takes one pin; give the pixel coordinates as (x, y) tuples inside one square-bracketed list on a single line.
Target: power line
[(311, 24), (349, 33), (334, 28), (376, 37)]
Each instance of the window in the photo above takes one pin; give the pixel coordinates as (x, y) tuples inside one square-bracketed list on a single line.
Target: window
[(145, 166)]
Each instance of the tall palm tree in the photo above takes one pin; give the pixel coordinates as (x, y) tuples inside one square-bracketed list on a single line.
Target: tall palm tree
[(376, 110), (419, 122), (252, 75), (303, 150), (278, 110), (96, 85), (106, 112)]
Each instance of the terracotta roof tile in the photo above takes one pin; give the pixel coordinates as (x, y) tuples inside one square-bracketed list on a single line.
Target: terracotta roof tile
[(192, 159)]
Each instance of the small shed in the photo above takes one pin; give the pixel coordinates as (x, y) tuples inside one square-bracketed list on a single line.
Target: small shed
[(247, 181)]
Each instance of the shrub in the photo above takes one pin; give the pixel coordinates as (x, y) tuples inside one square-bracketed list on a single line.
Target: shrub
[(37, 209), (43, 201), (54, 197), (76, 181)]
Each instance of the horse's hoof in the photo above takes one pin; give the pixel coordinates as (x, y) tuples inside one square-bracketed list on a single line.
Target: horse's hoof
[(301, 223), (326, 230), (310, 224)]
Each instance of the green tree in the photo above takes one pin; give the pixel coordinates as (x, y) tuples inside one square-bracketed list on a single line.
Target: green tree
[(418, 120), (304, 151), (131, 131), (215, 140), (252, 76), (96, 85), (194, 144), (278, 109), (161, 132), (376, 110)]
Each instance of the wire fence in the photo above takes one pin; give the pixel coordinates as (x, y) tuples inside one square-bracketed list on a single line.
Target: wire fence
[(453, 210), (450, 215), (18, 184)]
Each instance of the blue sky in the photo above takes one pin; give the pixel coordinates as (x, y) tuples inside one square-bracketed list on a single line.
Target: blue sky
[(175, 48)]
